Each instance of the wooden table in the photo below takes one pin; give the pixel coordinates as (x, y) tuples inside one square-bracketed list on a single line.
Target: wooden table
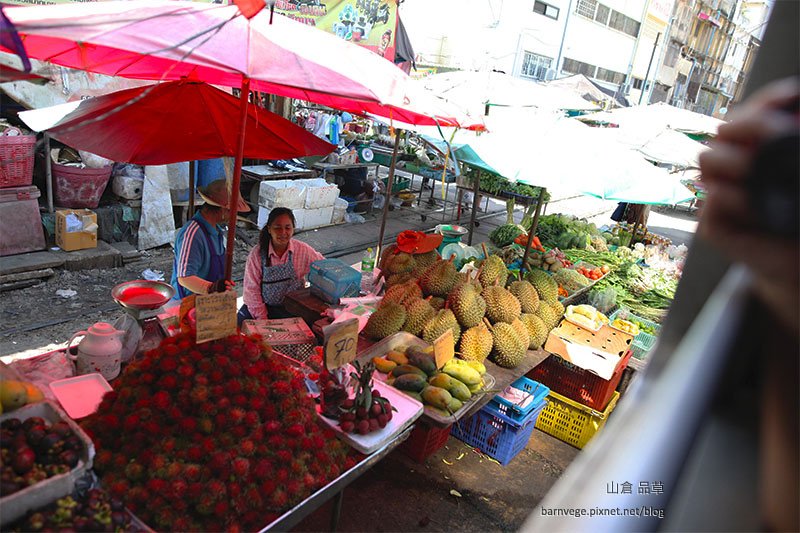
[(303, 304)]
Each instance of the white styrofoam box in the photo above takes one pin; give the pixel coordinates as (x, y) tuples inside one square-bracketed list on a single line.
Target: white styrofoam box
[(339, 211), (315, 218), (299, 217), (282, 193), (319, 193), (128, 187)]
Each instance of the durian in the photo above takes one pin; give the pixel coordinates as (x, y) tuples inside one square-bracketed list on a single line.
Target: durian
[(548, 315), (418, 312), (476, 343), (399, 263), (508, 348), (522, 331), (402, 293), (526, 294), (546, 287), (437, 303), (439, 279), (501, 305), (436, 326), (537, 330), (467, 304), (386, 320), (493, 272), (423, 261)]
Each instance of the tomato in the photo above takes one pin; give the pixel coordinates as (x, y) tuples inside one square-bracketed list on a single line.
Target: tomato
[(605, 269)]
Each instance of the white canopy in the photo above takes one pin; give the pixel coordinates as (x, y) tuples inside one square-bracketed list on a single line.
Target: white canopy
[(657, 117)]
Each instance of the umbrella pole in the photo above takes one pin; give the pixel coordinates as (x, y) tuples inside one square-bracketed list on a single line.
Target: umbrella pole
[(237, 171), (192, 170), (48, 167), (532, 231), (390, 182), (476, 187)]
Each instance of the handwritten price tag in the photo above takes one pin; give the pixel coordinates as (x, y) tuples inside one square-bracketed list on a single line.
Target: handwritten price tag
[(444, 348), (216, 315), (341, 340)]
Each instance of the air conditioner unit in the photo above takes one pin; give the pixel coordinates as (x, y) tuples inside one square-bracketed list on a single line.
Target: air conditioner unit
[(550, 74)]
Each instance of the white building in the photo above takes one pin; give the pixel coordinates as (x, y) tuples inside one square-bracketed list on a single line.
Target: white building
[(600, 39), (520, 37)]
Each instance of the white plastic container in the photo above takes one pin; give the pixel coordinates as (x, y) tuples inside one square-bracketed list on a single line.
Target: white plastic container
[(15, 506), (282, 193), (319, 193), (315, 218), (299, 216)]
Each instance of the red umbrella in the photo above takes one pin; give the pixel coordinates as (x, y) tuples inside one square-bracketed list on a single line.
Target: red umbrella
[(169, 39), (11, 74), (171, 122)]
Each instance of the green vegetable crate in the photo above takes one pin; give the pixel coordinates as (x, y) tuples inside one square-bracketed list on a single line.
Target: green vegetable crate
[(643, 342)]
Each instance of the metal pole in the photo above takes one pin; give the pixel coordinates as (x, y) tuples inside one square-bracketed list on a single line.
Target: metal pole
[(476, 187), (532, 231), (563, 38), (650, 64), (390, 182), (237, 171), (48, 167), (192, 170)]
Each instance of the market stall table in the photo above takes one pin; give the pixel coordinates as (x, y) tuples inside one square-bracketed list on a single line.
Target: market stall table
[(303, 304)]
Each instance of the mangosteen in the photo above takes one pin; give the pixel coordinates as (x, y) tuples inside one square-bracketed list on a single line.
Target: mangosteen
[(119, 518), (61, 428), (36, 522), (69, 458), (117, 505), (49, 442), (19, 441), (6, 436), (23, 461), (11, 424), (33, 421), (82, 523), (35, 435), (73, 442)]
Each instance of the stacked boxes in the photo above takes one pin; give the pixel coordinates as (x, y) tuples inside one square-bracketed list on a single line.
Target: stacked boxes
[(311, 200)]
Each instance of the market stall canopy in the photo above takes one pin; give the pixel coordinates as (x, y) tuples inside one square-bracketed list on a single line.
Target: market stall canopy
[(588, 90), (170, 39), (657, 117), (476, 90), (666, 146), (549, 150), (172, 122)]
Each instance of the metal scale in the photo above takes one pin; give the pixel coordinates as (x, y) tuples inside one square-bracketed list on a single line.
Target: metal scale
[(144, 300)]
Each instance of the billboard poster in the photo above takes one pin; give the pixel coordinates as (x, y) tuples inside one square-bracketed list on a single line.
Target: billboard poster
[(369, 23)]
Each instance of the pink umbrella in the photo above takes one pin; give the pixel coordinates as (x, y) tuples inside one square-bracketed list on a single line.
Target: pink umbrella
[(167, 39)]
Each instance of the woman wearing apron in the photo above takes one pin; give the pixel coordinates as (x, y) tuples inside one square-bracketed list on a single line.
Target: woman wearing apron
[(277, 265)]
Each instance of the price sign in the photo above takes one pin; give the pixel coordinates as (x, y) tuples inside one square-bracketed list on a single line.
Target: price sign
[(341, 340), (444, 348), (216, 315)]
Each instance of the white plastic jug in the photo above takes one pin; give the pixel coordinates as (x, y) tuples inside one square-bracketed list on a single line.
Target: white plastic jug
[(99, 351)]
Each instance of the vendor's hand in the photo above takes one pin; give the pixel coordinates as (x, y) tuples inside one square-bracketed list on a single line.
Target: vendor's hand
[(728, 219), (221, 285)]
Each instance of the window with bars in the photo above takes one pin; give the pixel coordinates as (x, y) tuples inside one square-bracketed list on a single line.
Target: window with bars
[(535, 66), (610, 76), (586, 8), (578, 67), (545, 9), (602, 14), (637, 83)]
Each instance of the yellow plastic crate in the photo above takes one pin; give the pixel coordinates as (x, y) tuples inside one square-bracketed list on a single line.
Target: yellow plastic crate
[(572, 422)]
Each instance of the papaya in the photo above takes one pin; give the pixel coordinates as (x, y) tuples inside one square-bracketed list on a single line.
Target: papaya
[(436, 396), (383, 365), (410, 382), (462, 372), (441, 380), (459, 391), (397, 357), (407, 369), (423, 361)]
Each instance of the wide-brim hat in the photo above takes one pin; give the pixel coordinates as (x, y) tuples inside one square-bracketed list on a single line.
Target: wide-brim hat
[(216, 193), (417, 242)]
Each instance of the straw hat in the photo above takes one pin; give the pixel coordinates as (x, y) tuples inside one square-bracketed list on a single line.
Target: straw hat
[(216, 193)]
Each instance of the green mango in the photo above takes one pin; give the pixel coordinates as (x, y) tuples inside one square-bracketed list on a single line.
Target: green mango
[(422, 360), (462, 372), (454, 405), (441, 380), (459, 390), (436, 396), (410, 382), (407, 369)]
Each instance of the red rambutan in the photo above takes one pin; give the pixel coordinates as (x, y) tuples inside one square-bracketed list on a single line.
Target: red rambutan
[(199, 394), (247, 447), (295, 430), (186, 371), (267, 487), (134, 471), (239, 431), (131, 423), (282, 475), (293, 488), (219, 461), (187, 424), (167, 382), (156, 486), (307, 443), (169, 350), (208, 445), (221, 420), (221, 509), (284, 455), (241, 467), (281, 388), (278, 499), (236, 415), (205, 425)]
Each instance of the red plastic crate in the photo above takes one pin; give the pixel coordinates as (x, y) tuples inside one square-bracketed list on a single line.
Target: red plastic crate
[(16, 160), (578, 384), (424, 441)]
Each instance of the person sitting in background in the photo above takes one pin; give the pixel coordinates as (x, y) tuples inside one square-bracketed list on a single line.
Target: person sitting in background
[(277, 265), (199, 264)]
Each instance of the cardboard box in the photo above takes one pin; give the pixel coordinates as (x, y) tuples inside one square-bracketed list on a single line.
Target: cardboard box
[(76, 240)]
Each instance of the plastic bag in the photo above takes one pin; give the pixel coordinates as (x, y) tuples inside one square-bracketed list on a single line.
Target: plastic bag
[(131, 338), (604, 300), (377, 201), (354, 218), (94, 161)]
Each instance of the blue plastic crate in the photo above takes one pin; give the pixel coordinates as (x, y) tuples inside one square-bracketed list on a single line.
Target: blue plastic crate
[(515, 412), (332, 279), (495, 434)]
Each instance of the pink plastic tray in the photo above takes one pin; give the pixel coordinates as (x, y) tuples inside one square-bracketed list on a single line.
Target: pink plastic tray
[(80, 396)]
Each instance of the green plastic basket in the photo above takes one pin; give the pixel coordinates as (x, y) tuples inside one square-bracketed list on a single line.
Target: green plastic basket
[(643, 342)]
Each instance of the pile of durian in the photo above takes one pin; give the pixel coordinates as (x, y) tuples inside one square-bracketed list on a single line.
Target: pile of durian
[(491, 316)]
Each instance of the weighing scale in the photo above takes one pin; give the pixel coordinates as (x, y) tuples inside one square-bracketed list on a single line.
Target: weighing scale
[(144, 301)]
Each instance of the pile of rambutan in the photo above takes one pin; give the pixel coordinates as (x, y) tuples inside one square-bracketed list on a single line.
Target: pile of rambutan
[(211, 437)]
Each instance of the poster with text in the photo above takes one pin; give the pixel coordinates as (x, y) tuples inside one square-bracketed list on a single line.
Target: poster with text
[(369, 23)]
